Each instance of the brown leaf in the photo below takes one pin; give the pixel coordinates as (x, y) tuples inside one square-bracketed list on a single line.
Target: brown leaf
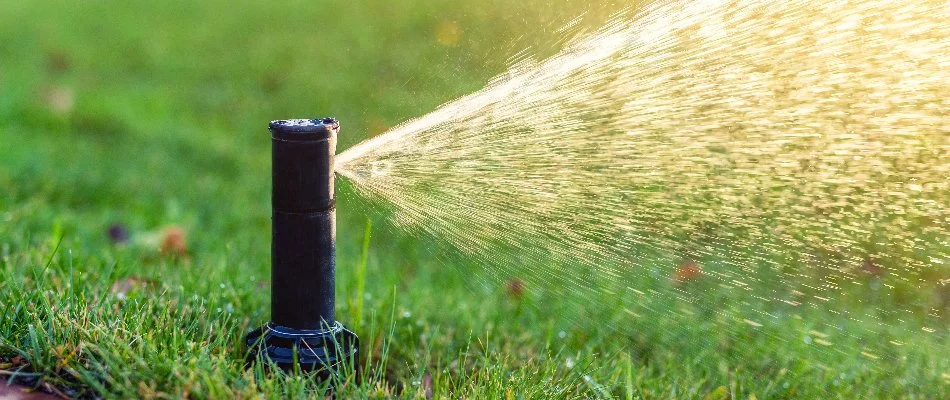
[(19, 361), (515, 288), (871, 267), (687, 271), (427, 386), (173, 242), (57, 62)]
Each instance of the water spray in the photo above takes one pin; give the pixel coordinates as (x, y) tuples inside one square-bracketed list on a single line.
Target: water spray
[(779, 144), (303, 330)]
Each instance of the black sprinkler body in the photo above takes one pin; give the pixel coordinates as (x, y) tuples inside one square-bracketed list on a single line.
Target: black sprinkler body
[(303, 253)]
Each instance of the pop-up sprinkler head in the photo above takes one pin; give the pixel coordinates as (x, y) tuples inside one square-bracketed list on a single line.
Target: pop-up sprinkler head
[(302, 329)]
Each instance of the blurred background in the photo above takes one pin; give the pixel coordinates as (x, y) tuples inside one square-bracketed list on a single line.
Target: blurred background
[(153, 113), (135, 163)]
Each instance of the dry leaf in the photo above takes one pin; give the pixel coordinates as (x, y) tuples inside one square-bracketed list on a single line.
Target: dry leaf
[(173, 242), (57, 62), (515, 288), (427, 386), (871, 267), (19, 361), (687, 271)]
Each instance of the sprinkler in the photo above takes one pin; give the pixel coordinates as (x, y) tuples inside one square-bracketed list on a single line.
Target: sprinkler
[(303, 331)]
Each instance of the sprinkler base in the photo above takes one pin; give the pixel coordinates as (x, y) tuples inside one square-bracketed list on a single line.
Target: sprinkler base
[(324, 351)]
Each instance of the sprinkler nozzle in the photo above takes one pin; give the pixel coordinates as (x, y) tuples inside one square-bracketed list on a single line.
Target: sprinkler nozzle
[(303, 331)]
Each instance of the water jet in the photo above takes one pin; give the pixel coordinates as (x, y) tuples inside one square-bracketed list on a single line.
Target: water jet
[(303, 331), (760, 150)]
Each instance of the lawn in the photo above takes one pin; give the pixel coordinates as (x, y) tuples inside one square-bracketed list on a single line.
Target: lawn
[(150, 118)]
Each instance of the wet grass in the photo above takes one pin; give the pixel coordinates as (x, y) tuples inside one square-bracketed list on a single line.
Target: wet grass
[(151, 114)]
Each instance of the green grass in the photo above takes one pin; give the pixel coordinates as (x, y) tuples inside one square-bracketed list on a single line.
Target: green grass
[(166, 126)]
